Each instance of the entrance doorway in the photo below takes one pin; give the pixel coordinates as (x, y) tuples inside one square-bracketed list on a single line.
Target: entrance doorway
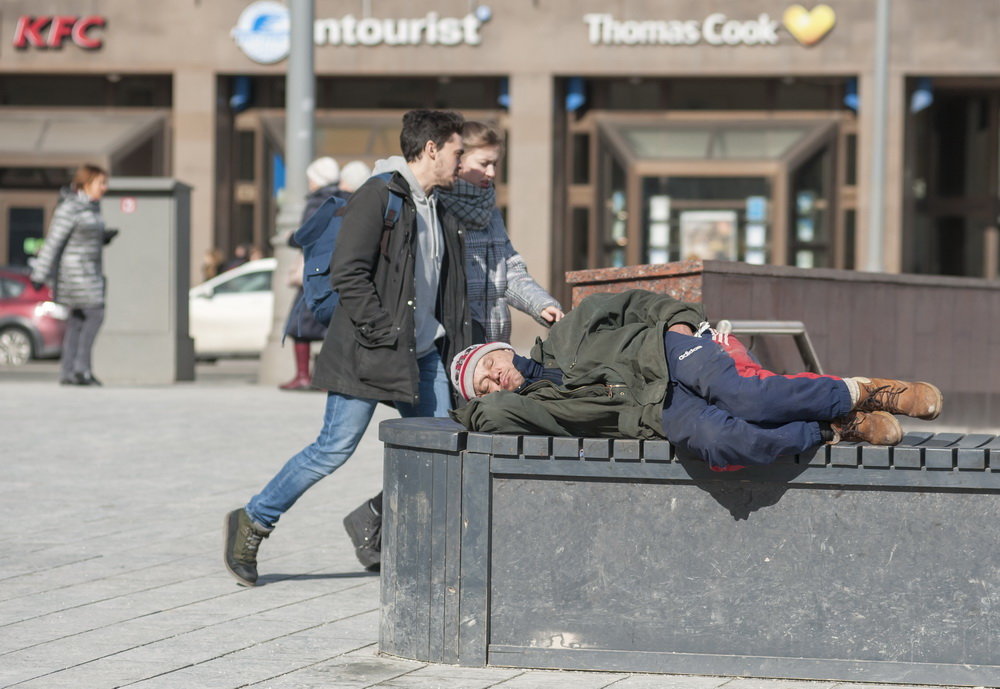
[(760, 190), (952, 191)]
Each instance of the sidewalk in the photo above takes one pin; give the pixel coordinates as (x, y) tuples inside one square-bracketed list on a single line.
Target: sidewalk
[(111, 575)]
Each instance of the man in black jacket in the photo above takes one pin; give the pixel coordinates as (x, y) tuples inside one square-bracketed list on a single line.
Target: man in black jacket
[(402, 312)]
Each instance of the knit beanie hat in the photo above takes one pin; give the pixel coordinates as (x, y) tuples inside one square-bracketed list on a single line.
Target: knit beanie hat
[(323, 172), (463, 366), (353, 175)]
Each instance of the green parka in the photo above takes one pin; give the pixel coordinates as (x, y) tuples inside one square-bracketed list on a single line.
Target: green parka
[(615, 377)]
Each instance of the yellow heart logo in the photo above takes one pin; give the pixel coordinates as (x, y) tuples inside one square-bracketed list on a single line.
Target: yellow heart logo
[(809, 27)]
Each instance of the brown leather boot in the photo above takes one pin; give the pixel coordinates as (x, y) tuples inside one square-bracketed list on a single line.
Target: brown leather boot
[(919, 400), (876, 428)]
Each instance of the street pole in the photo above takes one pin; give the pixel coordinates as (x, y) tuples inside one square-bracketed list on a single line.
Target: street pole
[(276, 364), (880, 100)]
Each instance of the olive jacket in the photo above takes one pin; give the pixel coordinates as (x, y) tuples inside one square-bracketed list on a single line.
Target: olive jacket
[(369, 348), (615, 377)]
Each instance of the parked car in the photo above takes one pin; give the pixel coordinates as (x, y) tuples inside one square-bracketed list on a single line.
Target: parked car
[(31, 324), (230, 315)]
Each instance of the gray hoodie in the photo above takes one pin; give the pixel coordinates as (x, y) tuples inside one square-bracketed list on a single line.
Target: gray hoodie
[(430, 254)]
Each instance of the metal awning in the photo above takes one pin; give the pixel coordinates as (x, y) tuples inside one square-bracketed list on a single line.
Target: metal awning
[(724, 143), (47, 138)]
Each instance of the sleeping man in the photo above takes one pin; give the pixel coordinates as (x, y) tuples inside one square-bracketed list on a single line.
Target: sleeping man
[(644, 365)]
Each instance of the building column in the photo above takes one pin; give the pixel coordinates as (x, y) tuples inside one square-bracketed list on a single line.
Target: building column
[(529, 183), (193, 156), (891, 216)]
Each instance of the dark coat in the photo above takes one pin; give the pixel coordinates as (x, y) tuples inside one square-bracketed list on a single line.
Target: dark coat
[(615, 376), (369, 349)]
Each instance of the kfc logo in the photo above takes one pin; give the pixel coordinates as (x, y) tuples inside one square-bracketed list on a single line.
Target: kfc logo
[(51, 31)]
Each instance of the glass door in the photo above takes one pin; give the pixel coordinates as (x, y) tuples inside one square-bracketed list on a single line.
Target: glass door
[(706, 218)]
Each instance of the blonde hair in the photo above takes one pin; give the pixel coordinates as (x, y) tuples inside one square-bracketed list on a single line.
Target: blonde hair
[(480, 135), (85, 174)]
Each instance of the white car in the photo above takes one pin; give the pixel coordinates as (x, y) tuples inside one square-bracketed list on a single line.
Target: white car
[(230, 315)]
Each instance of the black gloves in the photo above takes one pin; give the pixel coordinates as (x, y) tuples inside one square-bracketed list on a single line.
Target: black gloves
[(109, 235)]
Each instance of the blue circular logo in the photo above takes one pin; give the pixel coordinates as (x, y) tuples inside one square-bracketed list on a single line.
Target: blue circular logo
[(263, 32), (484, 13)]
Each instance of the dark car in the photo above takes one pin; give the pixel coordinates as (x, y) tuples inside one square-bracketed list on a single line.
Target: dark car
[(31, 324)]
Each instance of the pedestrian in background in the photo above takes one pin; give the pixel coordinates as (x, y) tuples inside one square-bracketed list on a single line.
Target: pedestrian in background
[(496, 275), (71, 262), (323, 178)]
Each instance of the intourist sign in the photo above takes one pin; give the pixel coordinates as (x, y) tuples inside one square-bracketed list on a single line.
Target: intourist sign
[(262, 30), (51, 31), (807, 26)]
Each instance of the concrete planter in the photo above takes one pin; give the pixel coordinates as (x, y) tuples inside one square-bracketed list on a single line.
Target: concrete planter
[(856, 563)]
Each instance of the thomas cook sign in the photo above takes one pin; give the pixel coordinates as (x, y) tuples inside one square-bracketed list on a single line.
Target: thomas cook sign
[(808, 27), (262, 30)]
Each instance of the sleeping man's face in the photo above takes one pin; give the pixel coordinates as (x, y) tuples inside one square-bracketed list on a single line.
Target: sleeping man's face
[(496, 371)]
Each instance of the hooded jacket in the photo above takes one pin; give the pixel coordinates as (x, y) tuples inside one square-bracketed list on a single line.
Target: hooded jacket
[(71, 259), (615, 376), (370, 348)]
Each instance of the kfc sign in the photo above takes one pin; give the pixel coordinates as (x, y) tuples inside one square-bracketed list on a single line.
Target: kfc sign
[(52, 31)]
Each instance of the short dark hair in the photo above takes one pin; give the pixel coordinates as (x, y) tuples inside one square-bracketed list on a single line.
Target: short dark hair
[(421, 126)]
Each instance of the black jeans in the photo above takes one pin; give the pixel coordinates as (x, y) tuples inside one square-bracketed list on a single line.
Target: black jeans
[(78, 342)]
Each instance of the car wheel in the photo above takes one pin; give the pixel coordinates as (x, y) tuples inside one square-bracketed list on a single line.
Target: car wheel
[(15, 347)]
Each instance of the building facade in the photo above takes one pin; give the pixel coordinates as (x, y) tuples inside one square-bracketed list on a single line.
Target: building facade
[(637, 131)]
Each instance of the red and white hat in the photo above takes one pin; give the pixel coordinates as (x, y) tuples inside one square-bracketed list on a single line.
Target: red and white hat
[(463, 366)]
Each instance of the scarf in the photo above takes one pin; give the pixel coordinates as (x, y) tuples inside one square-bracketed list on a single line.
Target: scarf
[(471, 204)]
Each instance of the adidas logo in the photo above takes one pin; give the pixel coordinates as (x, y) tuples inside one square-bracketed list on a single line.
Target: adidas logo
[(688, 353)]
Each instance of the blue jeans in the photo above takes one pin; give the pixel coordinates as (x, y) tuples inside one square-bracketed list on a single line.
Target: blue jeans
[(346, 419)]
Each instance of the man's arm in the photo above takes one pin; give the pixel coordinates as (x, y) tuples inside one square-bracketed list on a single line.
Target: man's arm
[(357, 253)]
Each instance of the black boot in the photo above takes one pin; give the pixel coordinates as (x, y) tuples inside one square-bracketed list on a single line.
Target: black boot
[(364, 526), (243, 538)]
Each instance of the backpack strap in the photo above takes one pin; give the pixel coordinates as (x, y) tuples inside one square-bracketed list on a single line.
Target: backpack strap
[(393, 209)]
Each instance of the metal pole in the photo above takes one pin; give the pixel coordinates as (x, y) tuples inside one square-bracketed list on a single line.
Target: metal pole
[(276, 364), (880, 99)]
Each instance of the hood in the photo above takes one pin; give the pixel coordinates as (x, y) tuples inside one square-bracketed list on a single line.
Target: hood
[(75, 199), (398, 164)]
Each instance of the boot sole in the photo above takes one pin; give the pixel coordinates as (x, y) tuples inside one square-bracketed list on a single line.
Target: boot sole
[(227, 525)]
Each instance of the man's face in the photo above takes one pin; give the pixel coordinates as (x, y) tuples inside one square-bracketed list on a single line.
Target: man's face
[(448, 162), (496, 371)]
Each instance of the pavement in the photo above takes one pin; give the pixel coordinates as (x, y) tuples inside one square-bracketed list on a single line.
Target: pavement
[(111, 574)]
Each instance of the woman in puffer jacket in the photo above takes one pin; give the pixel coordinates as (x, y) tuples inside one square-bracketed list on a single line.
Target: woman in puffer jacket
[(71, 262), (496, 275)]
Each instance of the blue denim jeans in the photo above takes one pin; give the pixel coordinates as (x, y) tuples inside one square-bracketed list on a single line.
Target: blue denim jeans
[(346, 419)]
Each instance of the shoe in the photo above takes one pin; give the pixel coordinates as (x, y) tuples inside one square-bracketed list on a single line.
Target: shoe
[(364, 527), (297, 383), (243, 538), (85, 379), (876, 428), (919, 400)]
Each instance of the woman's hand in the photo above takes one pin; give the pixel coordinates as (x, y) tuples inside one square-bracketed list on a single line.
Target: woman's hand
[(551, 314)]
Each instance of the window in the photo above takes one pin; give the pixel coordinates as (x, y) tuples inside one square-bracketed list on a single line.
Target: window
[(10, 289), (249, 282)]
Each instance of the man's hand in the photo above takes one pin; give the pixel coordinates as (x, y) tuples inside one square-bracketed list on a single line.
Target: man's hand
[(551, 314), (682, 328)]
